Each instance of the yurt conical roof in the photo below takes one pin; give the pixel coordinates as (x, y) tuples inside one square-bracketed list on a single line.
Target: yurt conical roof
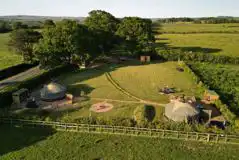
[(179, 112), (53, 91)]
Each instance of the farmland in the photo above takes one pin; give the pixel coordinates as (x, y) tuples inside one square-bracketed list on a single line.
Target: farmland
[(7, 58), (218, 44), (199, 28), (29, 143)]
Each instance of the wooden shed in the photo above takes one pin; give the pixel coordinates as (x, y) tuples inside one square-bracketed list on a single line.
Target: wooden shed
[(20, 96), (211, 96), (144, 59)]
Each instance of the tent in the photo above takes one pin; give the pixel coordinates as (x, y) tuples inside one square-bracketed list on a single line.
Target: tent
[(180, 112), (52, 92)]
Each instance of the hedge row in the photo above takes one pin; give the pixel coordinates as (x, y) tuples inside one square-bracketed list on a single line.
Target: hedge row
[(174, 55), (11, 71), (222, 107), (199, 32), (31, 83)]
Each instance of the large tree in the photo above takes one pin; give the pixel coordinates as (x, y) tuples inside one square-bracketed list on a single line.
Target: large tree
[(22, 41), (137, 35), (104, 26), (57, 45)]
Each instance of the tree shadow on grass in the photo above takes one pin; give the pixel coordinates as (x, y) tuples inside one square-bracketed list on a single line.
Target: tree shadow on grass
[(16, 138)]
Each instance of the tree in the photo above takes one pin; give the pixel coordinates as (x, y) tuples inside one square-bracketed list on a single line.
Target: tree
[(137, 35), (4, 26), (19, 25), (104, 26), (49, 23), (22, 41), (57, 45)]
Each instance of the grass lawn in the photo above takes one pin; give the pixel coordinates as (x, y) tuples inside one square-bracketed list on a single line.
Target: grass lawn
[(140, 80), (218, 44), (145, 80), (7, 59), (190, 27), (31, 144)]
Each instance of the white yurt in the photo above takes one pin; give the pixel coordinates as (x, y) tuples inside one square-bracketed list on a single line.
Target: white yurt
[(180, 112), (53, 91)]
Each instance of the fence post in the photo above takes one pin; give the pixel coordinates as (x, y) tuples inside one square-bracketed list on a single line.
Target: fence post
[(217, 138), (197, 136), (163, 134), (208, 137), (225, 138), (11, 122)]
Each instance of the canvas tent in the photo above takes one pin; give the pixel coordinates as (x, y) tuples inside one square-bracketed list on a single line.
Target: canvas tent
[(180, 112), (52, 92)]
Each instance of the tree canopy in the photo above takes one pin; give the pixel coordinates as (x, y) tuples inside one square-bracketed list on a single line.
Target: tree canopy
[(137, 33), (57, 46), (104, 26), (22, 41)]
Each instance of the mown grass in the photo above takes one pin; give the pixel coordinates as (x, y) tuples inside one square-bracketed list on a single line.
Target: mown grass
[(7, 58), (218, 44), (145, 81), (85, 146), (190, 27)]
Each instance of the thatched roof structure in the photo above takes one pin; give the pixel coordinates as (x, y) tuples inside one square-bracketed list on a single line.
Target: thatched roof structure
[(179, 111), (53, 91)]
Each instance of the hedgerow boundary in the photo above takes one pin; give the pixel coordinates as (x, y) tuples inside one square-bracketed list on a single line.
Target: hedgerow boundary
[(126, 131), (223, 108)]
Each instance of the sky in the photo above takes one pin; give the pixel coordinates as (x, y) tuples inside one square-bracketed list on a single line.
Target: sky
[(122, 8)]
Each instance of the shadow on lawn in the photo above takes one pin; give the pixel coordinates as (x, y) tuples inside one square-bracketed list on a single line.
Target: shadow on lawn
[(16, 138), (188, 49)]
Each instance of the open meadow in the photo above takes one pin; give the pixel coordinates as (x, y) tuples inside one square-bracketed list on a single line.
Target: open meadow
[(210, 43), (7, 58), (142, 81), (199, 28), (43, 144)]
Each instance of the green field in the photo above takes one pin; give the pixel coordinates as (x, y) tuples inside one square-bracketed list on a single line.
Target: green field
[(7, 58), (142, 81), (40, 144), (218, 44), (190, 27)]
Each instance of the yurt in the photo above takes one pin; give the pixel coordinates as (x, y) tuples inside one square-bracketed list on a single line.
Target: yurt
[(180, 112), (53, 91)]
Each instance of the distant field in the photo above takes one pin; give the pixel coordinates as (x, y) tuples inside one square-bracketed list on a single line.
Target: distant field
[(218, 44), (7, 58), (189, 27), (29, 144)]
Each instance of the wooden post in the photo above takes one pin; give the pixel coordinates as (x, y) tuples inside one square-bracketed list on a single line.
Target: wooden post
[(208, 137), (163, 134), (217, 138), (225, 138)]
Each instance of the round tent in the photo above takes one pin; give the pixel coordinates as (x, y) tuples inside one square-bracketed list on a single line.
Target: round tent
[(179, 112), (52, 92)]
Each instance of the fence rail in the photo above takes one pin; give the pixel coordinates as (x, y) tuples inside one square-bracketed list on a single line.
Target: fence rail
[(133, 131)]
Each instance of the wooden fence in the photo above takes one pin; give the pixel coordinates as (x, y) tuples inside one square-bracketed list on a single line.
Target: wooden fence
[(132, 131)]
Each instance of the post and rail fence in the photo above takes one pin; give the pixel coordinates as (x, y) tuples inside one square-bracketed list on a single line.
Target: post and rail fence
[(121, 130)]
